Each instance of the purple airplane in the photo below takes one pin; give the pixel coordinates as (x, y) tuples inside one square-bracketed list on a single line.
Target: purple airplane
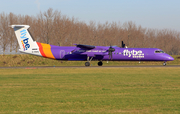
[(86, 52)]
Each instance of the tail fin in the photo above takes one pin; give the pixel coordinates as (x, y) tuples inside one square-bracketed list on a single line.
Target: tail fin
[(25, 40), (26, 43)]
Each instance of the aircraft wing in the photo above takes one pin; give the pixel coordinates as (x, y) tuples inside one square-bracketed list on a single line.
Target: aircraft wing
[(91, 53), (85, 46)]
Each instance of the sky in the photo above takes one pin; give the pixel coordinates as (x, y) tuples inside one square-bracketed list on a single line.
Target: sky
[(155, 14)]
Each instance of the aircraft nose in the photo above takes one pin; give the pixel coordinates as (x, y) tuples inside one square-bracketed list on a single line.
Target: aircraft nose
[(172, 59), (169, 58)]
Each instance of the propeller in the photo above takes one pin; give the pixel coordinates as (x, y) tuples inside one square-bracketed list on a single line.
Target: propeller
[(110, 50), (123, 45)]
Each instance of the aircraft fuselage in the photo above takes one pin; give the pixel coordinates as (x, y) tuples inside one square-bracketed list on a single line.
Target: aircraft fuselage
[(100, 53)]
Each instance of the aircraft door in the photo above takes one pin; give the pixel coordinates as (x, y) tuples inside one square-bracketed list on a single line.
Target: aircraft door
[(62, 53)]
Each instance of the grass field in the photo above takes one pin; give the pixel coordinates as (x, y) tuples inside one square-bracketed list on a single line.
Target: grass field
[(31, 60), (90, 90)]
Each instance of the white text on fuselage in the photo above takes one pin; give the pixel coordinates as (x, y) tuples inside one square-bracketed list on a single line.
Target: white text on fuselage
[(133, 53)]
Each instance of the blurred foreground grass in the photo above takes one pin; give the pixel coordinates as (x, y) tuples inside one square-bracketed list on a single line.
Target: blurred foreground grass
[(90, 90)]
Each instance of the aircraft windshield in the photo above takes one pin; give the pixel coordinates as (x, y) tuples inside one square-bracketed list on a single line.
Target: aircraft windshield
[(159, 51)]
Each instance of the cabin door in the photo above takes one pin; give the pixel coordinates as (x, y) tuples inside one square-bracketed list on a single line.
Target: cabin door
[(62, 53)]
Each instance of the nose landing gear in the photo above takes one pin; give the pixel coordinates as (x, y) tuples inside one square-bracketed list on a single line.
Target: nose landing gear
[(164, 64)]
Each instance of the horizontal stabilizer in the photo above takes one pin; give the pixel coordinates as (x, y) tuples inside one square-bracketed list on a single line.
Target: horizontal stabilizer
[(20, 26)]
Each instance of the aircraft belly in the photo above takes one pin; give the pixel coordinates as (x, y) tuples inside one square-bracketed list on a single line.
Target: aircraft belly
[(82, 57), (73, 57)]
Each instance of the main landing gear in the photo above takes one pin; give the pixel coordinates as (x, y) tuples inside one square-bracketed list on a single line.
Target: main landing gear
[(88, 61), (100, 63)]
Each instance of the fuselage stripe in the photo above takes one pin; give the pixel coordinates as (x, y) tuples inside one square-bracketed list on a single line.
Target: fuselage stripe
[(47, 50), (41, 49)]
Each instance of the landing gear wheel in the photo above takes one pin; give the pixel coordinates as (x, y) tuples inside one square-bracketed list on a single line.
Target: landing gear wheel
[(164, 64), (87, 63), (100, 63)]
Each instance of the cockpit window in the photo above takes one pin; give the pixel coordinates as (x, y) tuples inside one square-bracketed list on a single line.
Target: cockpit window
[(158, 51)]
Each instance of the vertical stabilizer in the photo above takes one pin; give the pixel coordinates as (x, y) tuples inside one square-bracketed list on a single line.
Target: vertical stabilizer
[(25, 40)]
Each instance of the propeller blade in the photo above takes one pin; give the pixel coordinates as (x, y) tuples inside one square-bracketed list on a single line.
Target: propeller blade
[(110, 52), (111, 55), (123, 45)]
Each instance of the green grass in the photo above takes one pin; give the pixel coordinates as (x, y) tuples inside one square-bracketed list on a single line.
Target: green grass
[(31, 60), (90, 90)]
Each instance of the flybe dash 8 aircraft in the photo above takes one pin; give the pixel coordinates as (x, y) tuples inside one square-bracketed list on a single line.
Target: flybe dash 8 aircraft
[(86, 53)]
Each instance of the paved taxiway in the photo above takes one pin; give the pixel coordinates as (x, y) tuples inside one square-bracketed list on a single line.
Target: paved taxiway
[(143, 66)]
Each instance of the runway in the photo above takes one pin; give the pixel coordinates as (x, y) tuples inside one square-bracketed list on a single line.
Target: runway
[(41, 67)]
